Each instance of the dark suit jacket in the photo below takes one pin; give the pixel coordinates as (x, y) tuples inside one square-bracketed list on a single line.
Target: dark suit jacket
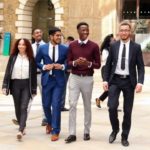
[(43, 54), (32, 75), (136, 65)]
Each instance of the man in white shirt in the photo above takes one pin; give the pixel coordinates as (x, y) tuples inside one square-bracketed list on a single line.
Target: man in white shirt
[(37, 35), (124, 72)]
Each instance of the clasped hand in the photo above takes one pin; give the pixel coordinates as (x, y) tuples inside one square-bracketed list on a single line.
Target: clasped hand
[(53, 66), (81, 62)]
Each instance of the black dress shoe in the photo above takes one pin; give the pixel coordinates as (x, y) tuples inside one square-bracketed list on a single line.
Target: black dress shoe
[(124, 142), (44, 122), (86, 137), (64, 109), (112, 136), (70, 138)]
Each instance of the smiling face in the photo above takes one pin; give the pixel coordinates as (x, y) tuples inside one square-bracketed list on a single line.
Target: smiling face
[(22, 47), (37, 35), (125, 32), (83, 32), (56, 38)]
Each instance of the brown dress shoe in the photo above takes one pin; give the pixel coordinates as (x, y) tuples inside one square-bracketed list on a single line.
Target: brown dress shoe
[(54, 137), (48, 129), (19, 135), (15, 121), (98, 103)]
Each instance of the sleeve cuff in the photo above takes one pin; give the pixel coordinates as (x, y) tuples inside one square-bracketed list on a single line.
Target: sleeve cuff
[(90, 65), (63, 67), (73, 63), (43, 68)]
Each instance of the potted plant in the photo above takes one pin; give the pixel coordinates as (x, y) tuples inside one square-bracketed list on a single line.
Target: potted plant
[(146, 55)]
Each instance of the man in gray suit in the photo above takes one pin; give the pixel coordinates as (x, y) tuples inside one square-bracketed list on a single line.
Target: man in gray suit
[(124, 64)]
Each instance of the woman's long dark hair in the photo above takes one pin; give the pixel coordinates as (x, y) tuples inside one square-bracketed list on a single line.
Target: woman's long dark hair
[(106, 43), (29, 50)]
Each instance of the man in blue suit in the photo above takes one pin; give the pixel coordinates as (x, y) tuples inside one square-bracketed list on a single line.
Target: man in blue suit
[(53, 55)]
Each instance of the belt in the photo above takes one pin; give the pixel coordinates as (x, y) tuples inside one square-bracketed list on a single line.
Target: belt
[(38, 72), (82, 75), (122, 76)]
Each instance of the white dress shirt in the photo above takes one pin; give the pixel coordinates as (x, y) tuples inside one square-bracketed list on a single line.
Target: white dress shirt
[(105, 54), (34, 46), (51, 51), (21, 68), (118, 67), (56, 55)]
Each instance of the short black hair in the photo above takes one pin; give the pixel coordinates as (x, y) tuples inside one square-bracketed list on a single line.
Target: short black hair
[(53, 30), (82, 23), (33, 30), (70, 38)]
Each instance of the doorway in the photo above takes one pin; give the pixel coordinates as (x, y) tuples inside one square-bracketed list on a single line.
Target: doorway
[(43, 17)]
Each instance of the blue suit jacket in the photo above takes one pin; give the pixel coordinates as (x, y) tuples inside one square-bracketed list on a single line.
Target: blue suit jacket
[(43, 55)]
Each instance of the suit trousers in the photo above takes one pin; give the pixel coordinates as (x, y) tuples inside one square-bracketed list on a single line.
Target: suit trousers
[(77, 85), (21, 97), (40, 88), (67, 74), (117, 85), (51, 98)]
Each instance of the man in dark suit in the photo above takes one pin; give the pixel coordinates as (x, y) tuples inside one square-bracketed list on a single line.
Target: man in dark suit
[(124, 64), (53, 55)]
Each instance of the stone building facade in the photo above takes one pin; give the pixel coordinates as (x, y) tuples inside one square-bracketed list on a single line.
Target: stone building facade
[(21, 16)]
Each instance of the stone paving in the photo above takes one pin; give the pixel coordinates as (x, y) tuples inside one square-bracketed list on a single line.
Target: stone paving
[(37, 139)]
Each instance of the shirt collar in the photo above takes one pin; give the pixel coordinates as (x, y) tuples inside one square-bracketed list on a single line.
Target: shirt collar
[(127, 43), (22, 56), (39, 42), (85, 41)]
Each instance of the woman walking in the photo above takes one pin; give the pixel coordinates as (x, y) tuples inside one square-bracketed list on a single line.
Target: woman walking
[(20, 80)]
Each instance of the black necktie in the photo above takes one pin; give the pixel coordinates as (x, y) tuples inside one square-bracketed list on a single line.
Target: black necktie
[(123, 57), (37, 47), (53, 56)]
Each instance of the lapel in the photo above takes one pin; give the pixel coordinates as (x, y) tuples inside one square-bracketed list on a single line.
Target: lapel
[(48, 47), (59, 52), (117, 49), (130, 50)]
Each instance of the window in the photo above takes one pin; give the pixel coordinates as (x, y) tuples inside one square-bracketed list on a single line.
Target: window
[(132, 9), (144, 12)]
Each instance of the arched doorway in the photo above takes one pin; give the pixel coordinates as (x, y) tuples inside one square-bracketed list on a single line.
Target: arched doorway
[(43, 17), (27, 8)]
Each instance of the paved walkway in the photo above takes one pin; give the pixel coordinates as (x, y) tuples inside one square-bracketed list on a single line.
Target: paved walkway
[(37, 139)]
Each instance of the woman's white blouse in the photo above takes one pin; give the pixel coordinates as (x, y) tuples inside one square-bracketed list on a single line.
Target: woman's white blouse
[(21, 68)]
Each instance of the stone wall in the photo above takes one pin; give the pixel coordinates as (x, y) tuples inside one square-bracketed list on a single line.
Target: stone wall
[(99, 14), (10, 16), (85, 10)]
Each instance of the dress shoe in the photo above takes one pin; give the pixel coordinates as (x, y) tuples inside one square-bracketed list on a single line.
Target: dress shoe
[(124, 142), (86, 137), (19, 135), (44, 122), (98, 103), (48, 129), (54, 137), (112, 136), (64, 109), (119, 110), (15, 121), (70, 138)]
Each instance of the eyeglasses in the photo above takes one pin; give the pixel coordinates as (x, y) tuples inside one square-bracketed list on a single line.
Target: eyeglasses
[(124, 30)]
